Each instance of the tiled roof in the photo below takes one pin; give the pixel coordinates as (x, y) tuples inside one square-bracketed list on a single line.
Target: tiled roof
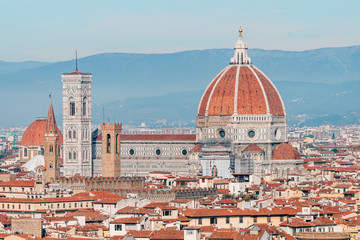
[(18, 183), (76, 72), (140, 234), (202, 212), (253, 148), (196, 148), (34, 134), (322, 221), (154, 205), (90, 215), (168, 234), (297, 222), (255, 93), (132, 220), (134, 210), (285, 151)]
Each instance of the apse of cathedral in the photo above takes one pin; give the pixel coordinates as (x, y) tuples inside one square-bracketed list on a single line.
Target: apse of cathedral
[(241, 128)]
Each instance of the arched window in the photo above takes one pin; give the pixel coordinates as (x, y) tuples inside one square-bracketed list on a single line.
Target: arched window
[(74, 155), (117, 143), (69, 134), (72, 107), (25, 152), (51, 165), (74, 134), (108, 145), (287, 172), (84, 106), (70, 155), (51, 149)]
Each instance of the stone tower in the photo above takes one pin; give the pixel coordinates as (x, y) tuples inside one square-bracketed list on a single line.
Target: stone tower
[(51, 147), (111, 149), (77, 123)]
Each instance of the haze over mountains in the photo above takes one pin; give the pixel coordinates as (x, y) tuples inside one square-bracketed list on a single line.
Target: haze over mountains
[(318, 86)]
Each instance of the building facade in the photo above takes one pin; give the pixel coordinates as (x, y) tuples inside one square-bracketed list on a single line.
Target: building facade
[(77, 123), (240, 109)]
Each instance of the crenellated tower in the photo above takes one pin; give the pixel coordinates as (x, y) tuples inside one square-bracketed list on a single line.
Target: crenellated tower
[(111, 149), (77, 123)]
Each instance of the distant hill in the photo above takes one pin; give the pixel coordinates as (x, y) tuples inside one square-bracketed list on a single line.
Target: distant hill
[(149, 87)]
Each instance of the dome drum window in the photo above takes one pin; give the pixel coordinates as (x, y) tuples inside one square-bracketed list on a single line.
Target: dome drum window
[(157, 152), (184, 152), (131, 152), (221, 133), (251, 134)]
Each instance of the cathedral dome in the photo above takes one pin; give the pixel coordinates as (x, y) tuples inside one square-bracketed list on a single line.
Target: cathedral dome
[(241, 88), (34, 134), (285, 151)]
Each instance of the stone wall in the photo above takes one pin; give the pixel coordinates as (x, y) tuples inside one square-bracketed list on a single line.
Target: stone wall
[(27, 226)]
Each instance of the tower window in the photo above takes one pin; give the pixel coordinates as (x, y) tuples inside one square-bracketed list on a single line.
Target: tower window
[(74, 155), (69, 134), (51, 149), (25, 152), (108, 145), (74, 134), (72, 107), (117, 143), (84, 106), (70, 155)]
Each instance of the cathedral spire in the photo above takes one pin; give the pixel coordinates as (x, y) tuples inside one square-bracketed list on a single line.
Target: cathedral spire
[(50, 122), (240, 53)]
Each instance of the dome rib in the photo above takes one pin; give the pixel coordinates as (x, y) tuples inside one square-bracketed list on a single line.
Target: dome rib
[(214, 87), (222, 99), (241, 89), (236, 90), (263, 90), (276, 104), (205, 98)]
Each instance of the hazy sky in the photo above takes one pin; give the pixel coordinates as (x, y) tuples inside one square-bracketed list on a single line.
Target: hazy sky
[(48, 30)]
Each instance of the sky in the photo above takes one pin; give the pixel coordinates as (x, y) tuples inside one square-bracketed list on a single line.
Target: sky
[(43, 30)]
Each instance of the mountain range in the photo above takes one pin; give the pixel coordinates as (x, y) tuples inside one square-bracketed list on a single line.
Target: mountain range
[(318, 86)]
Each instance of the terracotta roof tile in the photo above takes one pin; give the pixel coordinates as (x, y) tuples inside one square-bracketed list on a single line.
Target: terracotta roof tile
[(285, 151)]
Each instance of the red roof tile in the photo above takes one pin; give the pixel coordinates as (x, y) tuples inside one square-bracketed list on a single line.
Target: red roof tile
[(34, 134), (285, 151), (255, 93), (253, 148)]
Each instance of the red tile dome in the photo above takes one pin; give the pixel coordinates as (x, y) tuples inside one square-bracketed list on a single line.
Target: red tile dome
[(285, 151), (34, 134), (241, 89)]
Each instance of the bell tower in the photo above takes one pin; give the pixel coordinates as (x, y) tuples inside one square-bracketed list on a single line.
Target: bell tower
[(77, 123), (51, 147), (111, 149)]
